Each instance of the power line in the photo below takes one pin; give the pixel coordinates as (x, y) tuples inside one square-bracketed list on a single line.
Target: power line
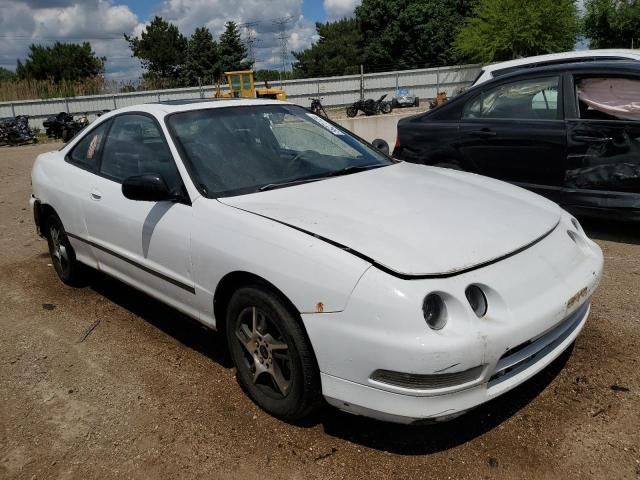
[(283, 37), (51, 39), (250, 40)]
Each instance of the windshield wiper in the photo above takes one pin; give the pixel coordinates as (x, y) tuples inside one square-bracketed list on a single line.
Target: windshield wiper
[(272, 186), (336, 173), (353, 169)]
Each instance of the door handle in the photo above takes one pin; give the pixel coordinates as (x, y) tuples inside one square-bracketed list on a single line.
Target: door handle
[(484, 133), (96, 195), (590, 139)]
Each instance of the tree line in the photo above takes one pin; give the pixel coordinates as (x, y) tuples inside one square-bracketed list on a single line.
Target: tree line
[(382, 35), (168, 56), (404, 34)]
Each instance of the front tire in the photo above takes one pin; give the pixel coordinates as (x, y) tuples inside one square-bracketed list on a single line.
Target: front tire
[(63, 257), (275, 364), (352, 111)]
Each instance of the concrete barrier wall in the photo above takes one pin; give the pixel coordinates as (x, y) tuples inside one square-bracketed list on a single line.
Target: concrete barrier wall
[(335, 91), (384, 127)]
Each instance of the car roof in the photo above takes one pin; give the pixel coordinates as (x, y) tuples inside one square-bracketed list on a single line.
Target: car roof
[(578, 54), (595, 67), (167, 107)]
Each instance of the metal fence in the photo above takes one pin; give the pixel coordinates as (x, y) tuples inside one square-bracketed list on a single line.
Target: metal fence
[(335, 91)]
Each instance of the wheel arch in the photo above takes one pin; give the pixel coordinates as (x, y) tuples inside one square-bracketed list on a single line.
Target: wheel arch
[(41, 212), (233, 281)]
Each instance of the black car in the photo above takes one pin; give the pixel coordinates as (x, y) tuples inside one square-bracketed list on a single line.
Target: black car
[(568, 132)]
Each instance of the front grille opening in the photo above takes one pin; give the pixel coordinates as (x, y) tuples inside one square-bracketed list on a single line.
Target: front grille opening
[(521, 357), (427, 381)]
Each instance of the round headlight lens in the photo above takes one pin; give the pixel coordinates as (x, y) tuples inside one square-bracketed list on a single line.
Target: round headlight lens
[(477, 300), (435, 313)]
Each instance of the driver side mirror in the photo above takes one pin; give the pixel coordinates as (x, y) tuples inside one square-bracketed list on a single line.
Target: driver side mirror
[(381, 145), (147, 188)]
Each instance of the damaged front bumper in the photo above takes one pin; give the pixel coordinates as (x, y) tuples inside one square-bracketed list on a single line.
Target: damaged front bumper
[(538, 304)]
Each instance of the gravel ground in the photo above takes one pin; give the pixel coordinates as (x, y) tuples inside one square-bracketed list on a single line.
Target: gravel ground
[(150, 394)]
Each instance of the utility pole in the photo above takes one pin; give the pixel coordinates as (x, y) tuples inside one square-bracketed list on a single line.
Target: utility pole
[(283, 37), (250, 40)]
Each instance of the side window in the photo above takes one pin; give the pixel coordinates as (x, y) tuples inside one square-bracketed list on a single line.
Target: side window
[(246, 82), (136, 146), (608, 98), (87, 151), (534, 99)]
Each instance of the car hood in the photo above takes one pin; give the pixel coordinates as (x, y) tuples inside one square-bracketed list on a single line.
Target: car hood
[(412, 219)]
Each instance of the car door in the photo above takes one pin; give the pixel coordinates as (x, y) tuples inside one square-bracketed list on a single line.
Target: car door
[(515, 131), (146, 244), (603, 136), (72, 189)]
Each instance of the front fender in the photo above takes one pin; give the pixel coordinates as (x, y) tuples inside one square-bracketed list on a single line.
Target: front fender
[(314, 275)]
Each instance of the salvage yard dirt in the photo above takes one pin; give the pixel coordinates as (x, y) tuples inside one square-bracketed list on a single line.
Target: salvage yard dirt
[(103, 382)]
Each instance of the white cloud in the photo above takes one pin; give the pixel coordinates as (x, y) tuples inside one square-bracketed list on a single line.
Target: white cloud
[(103, 23), (99, 22), (189, 14), (338, 9)]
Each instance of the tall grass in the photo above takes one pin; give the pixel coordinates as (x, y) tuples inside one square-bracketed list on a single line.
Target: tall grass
[(35, 89), (14, 90)]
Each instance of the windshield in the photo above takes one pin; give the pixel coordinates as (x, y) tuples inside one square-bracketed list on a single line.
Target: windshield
[(238, 150)]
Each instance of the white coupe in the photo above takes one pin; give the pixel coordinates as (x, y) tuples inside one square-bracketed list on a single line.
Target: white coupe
[(392, 290)]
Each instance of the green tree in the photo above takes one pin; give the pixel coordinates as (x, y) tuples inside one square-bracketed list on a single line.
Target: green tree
[(270, 75), (6, 74), (201, 58), (507, 29), (61, 62), (161, 49), (232, 53), (612, 23), (410, 33), (338, 51)]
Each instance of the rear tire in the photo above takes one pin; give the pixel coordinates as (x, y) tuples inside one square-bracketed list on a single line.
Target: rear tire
[(416, 102), (386, 107), (275, 364), (63, 257)]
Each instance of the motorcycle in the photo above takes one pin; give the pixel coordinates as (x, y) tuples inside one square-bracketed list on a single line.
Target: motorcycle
[(64, 126), (16, 131), (317, 108), (369, 107)]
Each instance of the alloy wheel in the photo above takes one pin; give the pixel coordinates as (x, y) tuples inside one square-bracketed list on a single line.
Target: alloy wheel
[(266, 354), (59, 252)]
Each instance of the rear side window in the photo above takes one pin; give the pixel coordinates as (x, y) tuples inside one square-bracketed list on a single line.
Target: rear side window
[(87, 152), (609, 98), (532, 99)]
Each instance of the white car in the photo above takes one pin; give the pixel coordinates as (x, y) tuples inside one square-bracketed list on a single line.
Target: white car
[(497, 69), (392, 290)]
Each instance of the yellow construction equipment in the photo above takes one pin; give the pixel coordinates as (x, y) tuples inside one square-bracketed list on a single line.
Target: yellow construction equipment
[(242, 85)]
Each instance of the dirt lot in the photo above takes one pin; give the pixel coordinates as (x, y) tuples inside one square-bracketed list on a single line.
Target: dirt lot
[(149, 394)]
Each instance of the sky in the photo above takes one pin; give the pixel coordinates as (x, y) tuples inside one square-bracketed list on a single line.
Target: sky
[(103, 22)]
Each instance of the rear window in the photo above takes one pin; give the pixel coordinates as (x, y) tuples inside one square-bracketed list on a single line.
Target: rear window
[(87, 151)]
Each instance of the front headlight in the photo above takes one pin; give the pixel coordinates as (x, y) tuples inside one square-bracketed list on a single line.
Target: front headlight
[(477, 299), (434, 311)]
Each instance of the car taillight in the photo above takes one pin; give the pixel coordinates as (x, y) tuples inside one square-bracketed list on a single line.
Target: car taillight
[(397, 141)]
